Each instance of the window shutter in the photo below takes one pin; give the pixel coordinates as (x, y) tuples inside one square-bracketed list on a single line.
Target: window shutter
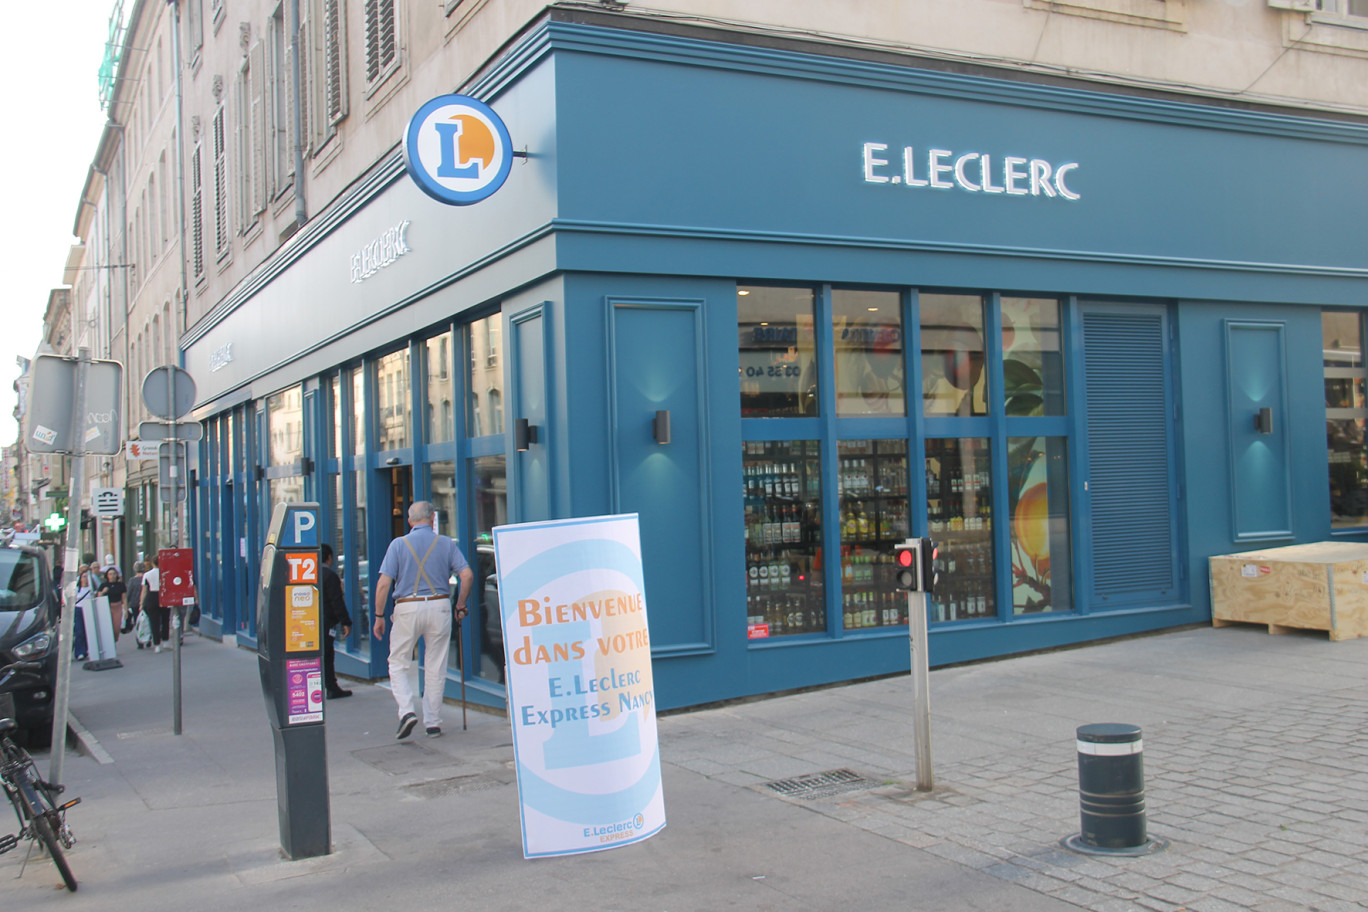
[(381, 38), (335, 62), (1130, 455), (258, 131), (220, 183), (197, 210)]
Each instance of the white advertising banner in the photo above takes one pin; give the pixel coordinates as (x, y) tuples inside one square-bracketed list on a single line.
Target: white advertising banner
[(581, 697)]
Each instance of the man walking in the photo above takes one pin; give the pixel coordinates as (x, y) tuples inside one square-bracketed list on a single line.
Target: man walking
[(335, 614), (420, 566)]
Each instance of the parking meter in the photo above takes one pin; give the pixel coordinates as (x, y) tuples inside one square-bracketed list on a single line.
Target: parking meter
[(290, 658)]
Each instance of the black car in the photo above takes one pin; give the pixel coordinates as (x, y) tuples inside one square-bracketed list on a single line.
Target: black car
[(28, 633)]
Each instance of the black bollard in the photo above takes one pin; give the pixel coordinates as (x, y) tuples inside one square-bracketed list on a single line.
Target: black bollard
[(1111, 792)]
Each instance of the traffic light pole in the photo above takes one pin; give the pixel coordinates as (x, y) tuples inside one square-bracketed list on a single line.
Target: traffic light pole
[(921, 687)]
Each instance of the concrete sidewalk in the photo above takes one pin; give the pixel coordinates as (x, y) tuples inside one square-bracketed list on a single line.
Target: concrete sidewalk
[(1254, 758)]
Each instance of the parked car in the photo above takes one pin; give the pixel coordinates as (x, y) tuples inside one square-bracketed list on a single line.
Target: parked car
[(28, 633)]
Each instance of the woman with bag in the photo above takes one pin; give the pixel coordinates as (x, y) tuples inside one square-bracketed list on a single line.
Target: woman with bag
[(85, 591)]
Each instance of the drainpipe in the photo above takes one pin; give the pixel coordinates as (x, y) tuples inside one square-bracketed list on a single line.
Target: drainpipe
[(297, 74)]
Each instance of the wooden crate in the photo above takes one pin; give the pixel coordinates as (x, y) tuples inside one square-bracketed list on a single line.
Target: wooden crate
[(1319, 586)]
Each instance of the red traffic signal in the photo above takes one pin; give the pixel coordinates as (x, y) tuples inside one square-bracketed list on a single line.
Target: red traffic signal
[(905, 575)]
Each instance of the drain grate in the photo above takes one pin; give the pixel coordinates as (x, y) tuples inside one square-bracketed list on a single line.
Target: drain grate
[(821, 785)]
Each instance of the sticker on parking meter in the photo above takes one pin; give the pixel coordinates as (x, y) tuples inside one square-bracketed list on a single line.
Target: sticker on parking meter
[(581, 694), (304, 692), (301, 619)]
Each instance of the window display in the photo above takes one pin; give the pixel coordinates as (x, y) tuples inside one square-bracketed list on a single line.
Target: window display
[(952, 355), (1038, 494), (959, 512), (873, 495), (868, 338), (785, 593)]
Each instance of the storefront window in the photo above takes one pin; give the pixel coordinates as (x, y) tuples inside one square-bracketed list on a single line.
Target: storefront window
[(872, 485), (783, 498), (1033, 360), (285, 443), (486, 378), (960, 518), (335, 439), (1346, 415), (952, 355), (441, 425), (394, 419), (361, 614), (489, 508), (1038, 495), (867, 328), (778, 352)]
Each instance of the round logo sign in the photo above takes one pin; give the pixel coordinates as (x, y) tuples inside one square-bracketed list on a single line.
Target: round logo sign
[(457, 150)]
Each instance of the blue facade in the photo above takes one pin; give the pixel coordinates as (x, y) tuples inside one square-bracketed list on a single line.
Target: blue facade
[(1187, 252)]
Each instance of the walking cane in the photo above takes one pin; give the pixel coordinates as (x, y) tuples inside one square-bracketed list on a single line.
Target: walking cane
[(460, 665)]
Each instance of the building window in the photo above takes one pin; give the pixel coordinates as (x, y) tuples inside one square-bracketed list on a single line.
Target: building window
[(382, 40), (440, 388), (194, 26), (778, 352), (1344, 8), (486, 377), (394, 414), (1032, 357), (1346, 415), (220, 184)]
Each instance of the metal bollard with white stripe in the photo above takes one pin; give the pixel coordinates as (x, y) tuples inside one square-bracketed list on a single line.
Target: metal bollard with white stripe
[(1111, 791)]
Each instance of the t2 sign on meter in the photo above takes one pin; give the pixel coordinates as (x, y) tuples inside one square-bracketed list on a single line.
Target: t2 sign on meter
[(457, 150)]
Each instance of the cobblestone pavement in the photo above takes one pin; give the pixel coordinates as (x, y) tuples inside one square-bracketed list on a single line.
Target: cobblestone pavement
[(1255, 755)]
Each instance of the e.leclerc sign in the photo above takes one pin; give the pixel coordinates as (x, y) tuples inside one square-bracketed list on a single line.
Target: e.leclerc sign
[(457, 150)]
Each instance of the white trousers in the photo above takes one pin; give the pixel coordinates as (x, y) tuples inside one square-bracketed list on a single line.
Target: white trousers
[(432, 622)]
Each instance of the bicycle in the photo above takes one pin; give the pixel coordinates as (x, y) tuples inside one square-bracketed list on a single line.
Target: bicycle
[(41, 819)]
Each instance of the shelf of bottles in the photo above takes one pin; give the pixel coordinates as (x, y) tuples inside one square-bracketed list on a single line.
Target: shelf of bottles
[(959, 513), (784, 586), (872, 488)]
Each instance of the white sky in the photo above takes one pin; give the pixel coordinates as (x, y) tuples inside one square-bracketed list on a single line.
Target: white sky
[(55, 123)]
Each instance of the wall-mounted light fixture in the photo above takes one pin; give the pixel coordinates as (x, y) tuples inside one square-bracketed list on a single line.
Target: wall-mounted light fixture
[(660, 426), (1263, 420), (306, 466), (524, 434), (392, 461), (260, 472)]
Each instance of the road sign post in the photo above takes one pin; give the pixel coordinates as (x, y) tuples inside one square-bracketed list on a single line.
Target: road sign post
[(169, 393)]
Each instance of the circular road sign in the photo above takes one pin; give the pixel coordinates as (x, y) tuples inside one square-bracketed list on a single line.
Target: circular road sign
[(157, 389)]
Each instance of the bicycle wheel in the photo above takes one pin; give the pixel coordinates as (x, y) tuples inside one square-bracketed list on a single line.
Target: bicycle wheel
[(44, 827)]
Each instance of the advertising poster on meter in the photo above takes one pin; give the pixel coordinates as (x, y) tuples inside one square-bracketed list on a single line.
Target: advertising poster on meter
[(581, 697)]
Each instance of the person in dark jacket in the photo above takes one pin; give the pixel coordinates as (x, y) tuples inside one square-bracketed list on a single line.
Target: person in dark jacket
[(134, 596), (335, 614)]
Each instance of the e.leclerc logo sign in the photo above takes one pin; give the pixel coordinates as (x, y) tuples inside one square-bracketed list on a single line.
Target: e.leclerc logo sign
[(457, 150)]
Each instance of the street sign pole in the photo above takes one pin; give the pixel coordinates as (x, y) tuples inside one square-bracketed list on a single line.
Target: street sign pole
[(70, 576), (179, 625)]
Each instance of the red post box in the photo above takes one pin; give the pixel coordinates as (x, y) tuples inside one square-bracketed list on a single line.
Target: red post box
[(177, 567)]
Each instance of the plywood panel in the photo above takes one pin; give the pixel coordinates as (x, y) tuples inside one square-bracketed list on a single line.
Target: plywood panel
[(1317, 586)]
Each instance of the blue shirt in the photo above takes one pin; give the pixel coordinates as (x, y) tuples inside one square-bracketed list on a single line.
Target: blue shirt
[(444, 562)]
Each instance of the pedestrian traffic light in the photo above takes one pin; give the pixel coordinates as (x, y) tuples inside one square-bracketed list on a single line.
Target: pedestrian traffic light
[(930, 571), (905, 560)]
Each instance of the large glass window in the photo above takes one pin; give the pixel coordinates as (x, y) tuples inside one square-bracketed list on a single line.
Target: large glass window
[(1346, 414), (1038, 497), (959, 507), (441, 425), (872, 485), (868, 338), (785, 592), (486, 378), (285, 443), (1033, 358), (952, 355), (393, 425), (778, 351)]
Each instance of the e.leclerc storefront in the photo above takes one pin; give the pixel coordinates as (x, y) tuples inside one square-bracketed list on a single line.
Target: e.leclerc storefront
[(1033, 322)]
